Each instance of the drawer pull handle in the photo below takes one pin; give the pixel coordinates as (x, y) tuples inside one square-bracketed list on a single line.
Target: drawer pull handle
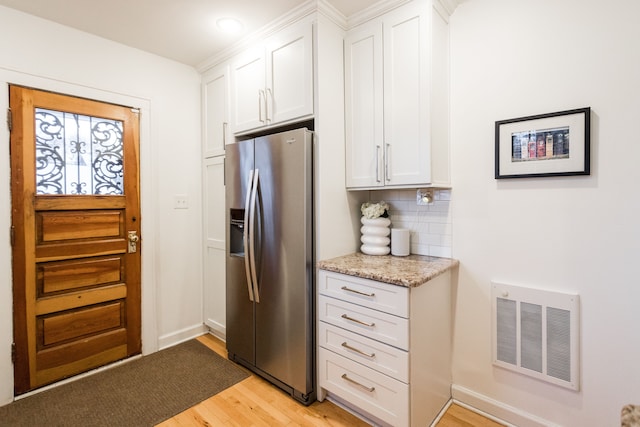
[(371, 325), (344, 288), (369, 389), (347, 346)]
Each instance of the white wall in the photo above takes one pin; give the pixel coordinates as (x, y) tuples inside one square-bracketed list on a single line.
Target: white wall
[(39, 53), (337, 211), (576, 234)]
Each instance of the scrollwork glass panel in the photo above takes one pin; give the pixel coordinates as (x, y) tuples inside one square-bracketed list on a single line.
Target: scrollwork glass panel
[(78, 154)]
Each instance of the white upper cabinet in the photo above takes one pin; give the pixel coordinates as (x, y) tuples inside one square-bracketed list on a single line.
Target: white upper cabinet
[(393, 84), (273, 83), (363, 106), (215, 107), (248, 90)]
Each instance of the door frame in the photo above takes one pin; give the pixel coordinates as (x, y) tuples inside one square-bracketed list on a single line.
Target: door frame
[(148, 199)]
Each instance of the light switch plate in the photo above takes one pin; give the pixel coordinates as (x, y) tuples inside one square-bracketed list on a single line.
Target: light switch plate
[(180, 201)]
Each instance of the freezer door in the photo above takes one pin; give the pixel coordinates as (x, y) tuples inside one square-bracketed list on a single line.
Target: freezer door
[(240, 311), (284, 315)]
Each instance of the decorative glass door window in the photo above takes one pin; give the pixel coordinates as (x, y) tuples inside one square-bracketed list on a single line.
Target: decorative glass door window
[(78, 154)]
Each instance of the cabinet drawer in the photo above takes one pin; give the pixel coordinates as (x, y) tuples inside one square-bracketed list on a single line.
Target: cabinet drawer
[(385, 297), (364, 388), (392, 330), (373, 354)]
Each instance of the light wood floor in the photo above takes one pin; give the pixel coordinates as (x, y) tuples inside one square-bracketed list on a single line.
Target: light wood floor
[(255, 402)]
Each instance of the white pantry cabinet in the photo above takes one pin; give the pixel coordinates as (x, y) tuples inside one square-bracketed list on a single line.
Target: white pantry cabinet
[(214, 245), (216, 134), (385, 350), (273, 83), (215, 108), (396, 99)]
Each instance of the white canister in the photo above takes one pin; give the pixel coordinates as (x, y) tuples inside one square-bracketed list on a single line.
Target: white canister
[(400, 241)]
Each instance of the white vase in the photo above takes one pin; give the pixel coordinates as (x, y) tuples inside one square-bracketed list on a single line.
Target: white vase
[(375, 236)]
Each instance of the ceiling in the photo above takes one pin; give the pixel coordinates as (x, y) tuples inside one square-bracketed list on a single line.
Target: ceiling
[(182, 30)]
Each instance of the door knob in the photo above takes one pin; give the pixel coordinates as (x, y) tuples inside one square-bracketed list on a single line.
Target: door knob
[(132, 246)]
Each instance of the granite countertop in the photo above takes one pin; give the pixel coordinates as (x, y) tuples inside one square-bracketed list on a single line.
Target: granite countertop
[(409, 271)]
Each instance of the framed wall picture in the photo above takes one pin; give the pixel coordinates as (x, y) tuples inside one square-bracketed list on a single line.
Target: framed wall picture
[(553, 144)]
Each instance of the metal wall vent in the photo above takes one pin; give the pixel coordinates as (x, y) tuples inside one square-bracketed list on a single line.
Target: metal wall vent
[(536, 333)]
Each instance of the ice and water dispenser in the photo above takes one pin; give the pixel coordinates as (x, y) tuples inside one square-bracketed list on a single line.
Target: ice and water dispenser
[(236, 227)]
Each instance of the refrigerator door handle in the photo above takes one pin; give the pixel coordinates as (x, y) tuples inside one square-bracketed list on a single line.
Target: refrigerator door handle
[(252, 235), (246, 237)]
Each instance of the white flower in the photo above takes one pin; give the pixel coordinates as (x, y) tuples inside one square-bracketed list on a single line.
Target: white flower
[(374, 210)]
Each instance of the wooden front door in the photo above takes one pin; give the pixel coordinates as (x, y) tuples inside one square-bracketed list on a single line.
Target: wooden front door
[(75, 227)]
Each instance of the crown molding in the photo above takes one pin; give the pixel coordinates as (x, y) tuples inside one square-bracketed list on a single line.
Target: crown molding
[(312, 6), (333, 14), (373, 11), (450, 5)]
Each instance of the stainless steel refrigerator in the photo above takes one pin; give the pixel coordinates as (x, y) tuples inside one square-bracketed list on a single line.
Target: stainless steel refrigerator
[(270, 261)]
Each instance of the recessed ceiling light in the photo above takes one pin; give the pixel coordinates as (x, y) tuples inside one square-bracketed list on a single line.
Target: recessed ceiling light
[(229, 25)]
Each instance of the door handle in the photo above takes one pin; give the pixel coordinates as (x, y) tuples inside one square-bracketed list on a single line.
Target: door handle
[(132, 241), (346, 317), (377, 163), (346, 289), (245, 235), (348, 347), (261, 95), (387, 176), (268, 94), (354, 382), (252, 238)]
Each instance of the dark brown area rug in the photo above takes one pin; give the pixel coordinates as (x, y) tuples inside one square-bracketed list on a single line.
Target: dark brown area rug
[(143, 392)]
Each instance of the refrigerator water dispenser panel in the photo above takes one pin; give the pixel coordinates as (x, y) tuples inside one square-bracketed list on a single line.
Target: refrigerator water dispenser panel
[(236, 232)]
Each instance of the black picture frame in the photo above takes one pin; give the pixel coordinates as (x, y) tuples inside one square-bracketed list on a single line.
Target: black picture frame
[(545, 145)]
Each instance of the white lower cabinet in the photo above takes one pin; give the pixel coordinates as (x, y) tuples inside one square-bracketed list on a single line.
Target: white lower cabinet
[(368, 390), (385, 350)]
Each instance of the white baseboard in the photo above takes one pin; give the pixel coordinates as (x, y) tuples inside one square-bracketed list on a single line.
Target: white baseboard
[(441, 413), (217, 329), (495, 410), (353, 411), (182, 335)]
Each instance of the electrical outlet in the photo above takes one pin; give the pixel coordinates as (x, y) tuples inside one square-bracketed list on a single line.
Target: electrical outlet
[(180, 201), (424, 197)]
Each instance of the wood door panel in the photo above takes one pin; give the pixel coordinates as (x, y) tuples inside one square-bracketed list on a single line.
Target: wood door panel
[(80, 323), (77, 299), (55, 277), (56, 226), (86, 249), (76, 287), (47, 376), (56, 203), (60, 355), (80, 356)]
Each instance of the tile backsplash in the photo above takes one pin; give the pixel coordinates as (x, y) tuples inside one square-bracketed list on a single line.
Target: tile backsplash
[(430, 225)]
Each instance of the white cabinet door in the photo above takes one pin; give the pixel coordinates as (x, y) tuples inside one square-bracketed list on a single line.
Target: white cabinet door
[(214, 245), (248, 90), (289, 86), (273, 82), (215, 107), (406, 95), (363, 106), (387, 100)]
